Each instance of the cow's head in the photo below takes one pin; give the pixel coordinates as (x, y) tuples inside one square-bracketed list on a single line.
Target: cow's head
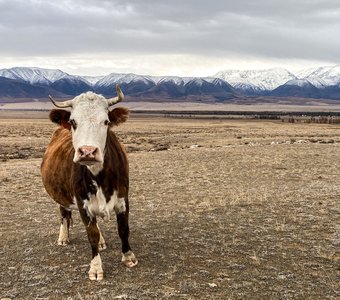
[(89, 120)]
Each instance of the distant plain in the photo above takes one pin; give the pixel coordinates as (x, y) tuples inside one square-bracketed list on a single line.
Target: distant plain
[(237, 104)]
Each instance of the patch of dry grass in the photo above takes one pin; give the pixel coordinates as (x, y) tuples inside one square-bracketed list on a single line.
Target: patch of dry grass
[(225, 213)]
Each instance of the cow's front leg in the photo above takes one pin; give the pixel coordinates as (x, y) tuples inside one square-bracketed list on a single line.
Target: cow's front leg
[(102, 243), (128, 258), (93, 234), (96, 269), (66, 220)]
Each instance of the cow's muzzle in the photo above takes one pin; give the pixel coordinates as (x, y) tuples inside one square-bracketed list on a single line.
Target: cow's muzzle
[(88, 155)]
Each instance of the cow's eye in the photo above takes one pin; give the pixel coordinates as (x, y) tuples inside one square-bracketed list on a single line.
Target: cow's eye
[(73, 124), (106, 122)]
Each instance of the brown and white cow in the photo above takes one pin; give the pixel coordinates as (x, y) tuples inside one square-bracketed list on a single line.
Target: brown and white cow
[(85, 167)]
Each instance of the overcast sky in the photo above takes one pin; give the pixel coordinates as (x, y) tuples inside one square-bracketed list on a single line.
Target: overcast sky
[(177, 37)]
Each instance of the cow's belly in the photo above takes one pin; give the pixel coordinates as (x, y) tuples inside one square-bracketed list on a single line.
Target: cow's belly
[(60, 194), (56, 169), (57, 184)]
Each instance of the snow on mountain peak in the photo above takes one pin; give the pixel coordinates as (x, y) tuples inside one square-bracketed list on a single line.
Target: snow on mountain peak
[(198, 81), (267, 79), (92, 80), (330, 75), (116, 78), (299, 82), (173, 79), (321, 76), (34, 75)]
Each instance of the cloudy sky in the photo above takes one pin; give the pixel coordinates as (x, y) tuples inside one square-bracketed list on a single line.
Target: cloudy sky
[(177, 37)]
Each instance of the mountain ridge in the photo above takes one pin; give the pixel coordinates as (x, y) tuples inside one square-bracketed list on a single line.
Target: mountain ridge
[(321, 82)]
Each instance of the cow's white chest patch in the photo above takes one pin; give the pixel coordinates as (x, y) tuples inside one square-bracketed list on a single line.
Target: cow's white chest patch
[(97, 205)]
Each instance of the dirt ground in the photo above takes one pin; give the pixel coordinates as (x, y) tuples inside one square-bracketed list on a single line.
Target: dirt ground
[(220, 209)]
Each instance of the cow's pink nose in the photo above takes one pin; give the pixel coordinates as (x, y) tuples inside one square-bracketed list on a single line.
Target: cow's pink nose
[(87, 151)]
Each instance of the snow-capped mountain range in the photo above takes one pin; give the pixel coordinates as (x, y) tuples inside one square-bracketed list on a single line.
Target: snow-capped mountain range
[(321, 82)]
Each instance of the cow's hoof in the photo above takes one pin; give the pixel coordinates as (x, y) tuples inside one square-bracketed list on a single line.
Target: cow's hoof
[(101, 246), (63, 242), (129, 259), (96, 276), (63, 238), (96, 270)]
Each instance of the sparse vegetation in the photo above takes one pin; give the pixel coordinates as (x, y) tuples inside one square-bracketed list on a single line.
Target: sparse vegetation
[(317, 120), (224, 209)]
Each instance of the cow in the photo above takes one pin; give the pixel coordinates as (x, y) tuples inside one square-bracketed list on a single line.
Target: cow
[(86, 168)]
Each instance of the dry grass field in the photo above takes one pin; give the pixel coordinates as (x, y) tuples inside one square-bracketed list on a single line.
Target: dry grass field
[(220, 209)]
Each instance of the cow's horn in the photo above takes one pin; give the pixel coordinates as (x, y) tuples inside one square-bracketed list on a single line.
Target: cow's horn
[(64, 104), (117, 99)]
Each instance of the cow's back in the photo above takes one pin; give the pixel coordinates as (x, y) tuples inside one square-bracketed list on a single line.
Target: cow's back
[(57, 167)]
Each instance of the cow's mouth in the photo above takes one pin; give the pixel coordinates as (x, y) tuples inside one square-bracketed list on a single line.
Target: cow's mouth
[(88, 161)]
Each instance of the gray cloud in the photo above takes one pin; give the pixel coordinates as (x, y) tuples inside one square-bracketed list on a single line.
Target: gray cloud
[(261, 29)]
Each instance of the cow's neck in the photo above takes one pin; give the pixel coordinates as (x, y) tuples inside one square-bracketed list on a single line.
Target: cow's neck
[(95, 169), (91, 178)]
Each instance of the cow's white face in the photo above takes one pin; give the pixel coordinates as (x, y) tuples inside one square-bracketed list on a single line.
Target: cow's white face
[(89, 120), (89, 124)]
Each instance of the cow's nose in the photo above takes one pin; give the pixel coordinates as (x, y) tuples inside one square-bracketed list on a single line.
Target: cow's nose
[(87, 151)]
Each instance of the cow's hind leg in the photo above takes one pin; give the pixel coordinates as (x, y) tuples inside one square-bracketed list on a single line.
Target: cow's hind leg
[(66, 220), (128, 258), (93, 234)]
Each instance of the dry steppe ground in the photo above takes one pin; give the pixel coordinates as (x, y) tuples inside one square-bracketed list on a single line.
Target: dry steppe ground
[(220, 209)]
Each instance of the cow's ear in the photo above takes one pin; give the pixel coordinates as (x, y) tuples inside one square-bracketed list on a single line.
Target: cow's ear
[(118, 115), (61, 117)]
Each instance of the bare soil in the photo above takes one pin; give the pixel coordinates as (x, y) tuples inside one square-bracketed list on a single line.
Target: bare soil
[(220, 209)]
